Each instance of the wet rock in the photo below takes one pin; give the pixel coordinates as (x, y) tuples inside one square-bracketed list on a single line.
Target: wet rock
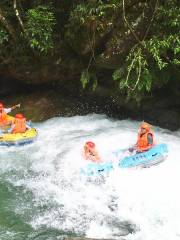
[(9, 86), (41, 102), (165, 118)]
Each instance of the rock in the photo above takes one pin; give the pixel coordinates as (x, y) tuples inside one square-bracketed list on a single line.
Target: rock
[(165, 118)]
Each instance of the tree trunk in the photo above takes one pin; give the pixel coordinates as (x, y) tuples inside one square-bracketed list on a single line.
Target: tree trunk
[(7, 25), (18, 15)]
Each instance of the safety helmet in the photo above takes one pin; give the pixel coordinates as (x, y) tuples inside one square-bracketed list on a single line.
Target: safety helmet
[(1, 105), (90, 144), (19, 116), (145, 125)]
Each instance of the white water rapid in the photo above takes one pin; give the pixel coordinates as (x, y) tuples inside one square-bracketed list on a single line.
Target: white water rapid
[(127, 204)]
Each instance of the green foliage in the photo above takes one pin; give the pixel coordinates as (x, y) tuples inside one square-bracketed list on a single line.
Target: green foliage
[(169, 15), (146, 81), (95, 82), (93, 29), (118, 74), (92, 14), (137, 76), (87, 77), (39, 28), (160, 50), (3, 37)]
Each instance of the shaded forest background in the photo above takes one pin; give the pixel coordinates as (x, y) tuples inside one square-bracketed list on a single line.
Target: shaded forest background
[(122, 54)]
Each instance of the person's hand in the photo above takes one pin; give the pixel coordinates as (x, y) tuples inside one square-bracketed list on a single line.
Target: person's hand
[(18, 105), (131, 149)]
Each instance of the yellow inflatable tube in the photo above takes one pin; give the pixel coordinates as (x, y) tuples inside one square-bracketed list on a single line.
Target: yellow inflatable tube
[(18, 138), (10, 118)]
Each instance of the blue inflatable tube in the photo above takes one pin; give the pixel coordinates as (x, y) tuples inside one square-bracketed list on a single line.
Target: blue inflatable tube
[(154, 156)]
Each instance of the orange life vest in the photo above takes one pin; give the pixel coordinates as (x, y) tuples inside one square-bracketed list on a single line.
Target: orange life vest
[(142, 142), (3, 118), (19, 125)]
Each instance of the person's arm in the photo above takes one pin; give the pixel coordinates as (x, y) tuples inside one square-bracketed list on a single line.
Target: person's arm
[(131, 149), (150, 138), (11, 128), (85, 153), (15, 106), (8, 110), (28, 126), (96, 157)]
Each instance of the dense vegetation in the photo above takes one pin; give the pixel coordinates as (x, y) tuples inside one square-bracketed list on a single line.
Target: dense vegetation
[(137, 41)]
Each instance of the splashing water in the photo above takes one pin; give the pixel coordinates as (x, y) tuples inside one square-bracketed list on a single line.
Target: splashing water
[(44, 196)]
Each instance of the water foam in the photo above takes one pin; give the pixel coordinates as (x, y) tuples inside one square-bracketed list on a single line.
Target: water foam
[(126, 204)]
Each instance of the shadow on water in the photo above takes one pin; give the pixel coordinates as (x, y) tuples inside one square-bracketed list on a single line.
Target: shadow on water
[(18, 207)]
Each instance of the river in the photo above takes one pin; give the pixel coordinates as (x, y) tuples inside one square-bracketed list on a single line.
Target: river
[(43, 196)]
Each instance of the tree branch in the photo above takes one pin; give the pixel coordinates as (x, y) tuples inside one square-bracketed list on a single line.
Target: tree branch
[(152, 18), (18, 15), (129, 26), (7, 25)]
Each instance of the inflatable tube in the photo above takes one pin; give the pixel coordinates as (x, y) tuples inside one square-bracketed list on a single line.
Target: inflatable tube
[(96, 169), (10, 139), (154, 156), (10, 118)]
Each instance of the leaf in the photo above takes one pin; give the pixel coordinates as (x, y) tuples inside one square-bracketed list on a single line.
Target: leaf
[(84, 78), (95, 83), (118, 74)]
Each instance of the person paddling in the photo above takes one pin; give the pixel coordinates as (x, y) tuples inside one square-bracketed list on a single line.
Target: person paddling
[(3, 115), (19, 124), (90, 152), (145, 139)]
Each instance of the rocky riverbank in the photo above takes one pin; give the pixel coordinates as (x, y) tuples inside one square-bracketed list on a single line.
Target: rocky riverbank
[(39, 103)]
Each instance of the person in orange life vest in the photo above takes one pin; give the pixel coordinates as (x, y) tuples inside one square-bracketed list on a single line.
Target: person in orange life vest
[(3, 115), (145, 138), (90, 152), (19, 124)]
